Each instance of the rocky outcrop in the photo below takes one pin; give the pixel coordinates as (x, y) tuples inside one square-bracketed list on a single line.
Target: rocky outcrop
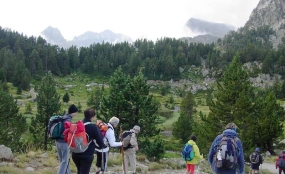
[(5, 153), (271, 13)]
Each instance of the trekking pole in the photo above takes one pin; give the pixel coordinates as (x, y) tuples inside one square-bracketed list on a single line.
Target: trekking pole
[(122, 150), (102, 164)]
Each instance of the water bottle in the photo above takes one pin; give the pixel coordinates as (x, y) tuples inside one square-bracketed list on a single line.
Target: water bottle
[(219, 161), (219, 155)]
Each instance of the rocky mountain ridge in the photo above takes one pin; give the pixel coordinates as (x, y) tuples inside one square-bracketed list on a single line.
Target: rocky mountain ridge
[(54, 36), (271, 13)]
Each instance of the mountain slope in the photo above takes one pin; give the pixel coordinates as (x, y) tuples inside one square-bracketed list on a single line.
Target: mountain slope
[(215, 29), (271, 13), (205, 39), (53, 36)]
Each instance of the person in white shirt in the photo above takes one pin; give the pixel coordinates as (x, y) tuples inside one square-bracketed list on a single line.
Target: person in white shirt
[(110, 141)]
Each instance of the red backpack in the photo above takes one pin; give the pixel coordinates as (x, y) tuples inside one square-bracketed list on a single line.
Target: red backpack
[(77, 138)]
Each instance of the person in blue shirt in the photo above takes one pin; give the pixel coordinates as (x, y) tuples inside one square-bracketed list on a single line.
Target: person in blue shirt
[(230, 131)]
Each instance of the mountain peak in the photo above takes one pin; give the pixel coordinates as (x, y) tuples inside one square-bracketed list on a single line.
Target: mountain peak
[(53, 36), (269, 13), (206, 27)]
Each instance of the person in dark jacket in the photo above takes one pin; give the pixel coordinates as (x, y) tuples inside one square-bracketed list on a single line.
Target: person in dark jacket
[(62, 147), (83, 161), (278, 160), (229, 131), (255, 165)]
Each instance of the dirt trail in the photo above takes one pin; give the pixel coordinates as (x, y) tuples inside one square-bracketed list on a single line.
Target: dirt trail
[(270, 167)]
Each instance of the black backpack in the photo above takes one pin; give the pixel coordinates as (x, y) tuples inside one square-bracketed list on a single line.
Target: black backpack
[(254, 158)]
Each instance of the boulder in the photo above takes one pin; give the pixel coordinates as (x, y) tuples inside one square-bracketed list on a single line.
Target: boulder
[(5, 152)]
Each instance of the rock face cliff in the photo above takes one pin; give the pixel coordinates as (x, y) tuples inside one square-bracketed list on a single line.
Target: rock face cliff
[(271, 13)]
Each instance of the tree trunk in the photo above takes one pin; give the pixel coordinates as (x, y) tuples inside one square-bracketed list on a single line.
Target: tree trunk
[(270, 147)]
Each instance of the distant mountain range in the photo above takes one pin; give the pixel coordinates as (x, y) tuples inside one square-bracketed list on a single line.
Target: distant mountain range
[(209, 33), (54, 36)]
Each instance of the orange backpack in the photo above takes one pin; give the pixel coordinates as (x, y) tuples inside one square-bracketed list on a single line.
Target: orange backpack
[(102, 126), (77, 138)]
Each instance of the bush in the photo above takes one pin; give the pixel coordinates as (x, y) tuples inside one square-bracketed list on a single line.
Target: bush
[(165, 113), (154, 150)]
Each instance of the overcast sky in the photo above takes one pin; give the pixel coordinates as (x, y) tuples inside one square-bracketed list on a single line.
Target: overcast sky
[(135, 18)]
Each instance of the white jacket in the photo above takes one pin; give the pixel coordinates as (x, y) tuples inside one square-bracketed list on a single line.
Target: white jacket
[(109, 139)]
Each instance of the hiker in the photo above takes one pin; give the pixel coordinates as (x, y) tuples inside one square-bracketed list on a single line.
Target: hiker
[(109, 140), (190, 165), (226, 153), (130, 152), (255, 160), (83, 161), (62, 146), (280, 162)]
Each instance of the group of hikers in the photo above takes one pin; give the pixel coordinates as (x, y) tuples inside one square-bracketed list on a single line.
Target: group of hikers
[(225, 155), (97, 142)]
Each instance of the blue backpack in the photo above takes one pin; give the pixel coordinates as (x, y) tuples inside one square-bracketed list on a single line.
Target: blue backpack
[(187, 152), (281, 162)]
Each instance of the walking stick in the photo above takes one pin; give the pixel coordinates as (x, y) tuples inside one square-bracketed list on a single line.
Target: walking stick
[(122, 150), (102, 163)]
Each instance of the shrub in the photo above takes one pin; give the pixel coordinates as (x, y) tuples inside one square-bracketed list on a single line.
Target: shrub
[(154, 150)]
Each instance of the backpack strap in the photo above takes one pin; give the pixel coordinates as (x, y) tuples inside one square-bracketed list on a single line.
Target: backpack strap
[(86, 123)]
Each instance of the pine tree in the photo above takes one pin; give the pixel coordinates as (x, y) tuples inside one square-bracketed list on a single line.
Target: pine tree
[(65, 97), (48, 104), (28, 109), (232, 102), (19, 90), (13, 124), (267, 122), (130, 101), (182, 129), (94, 99)]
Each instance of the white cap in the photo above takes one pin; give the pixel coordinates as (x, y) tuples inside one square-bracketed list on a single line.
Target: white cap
[(136, 127)]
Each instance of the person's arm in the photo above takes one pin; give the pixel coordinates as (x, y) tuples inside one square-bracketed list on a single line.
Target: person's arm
[(240, 157), (276, 164), (212, 150), (110, 135), (261, 159), (198, 156), (98, 137)]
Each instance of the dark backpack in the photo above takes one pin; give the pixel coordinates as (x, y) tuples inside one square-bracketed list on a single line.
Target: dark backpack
[(187, 152), (254, 158), (56, 127), (226, 153), (281, 161), (126, 139)]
